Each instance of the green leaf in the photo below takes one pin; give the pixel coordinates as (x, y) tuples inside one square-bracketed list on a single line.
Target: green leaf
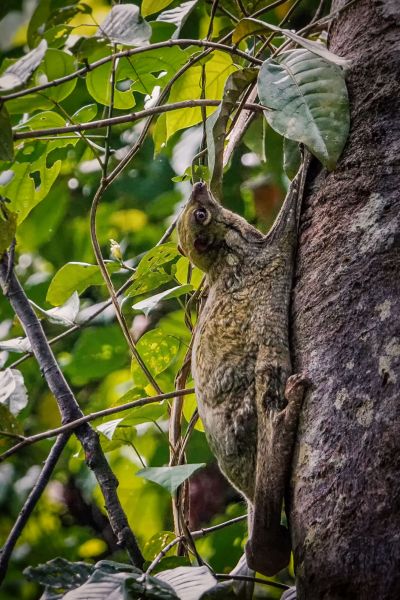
[(43, 120), (158, 350), (98, 81), (149, 7), (103, 581), (59, 574), (56, 64), (75, 276), (157, 257), (145, 69), (85, 114), (189, 406), (124, 26), (182, 272), (150, 304), (188, 87), (217, 123), (148, 282), (156, 543), (98, 351), (251, 26), (8, 227), (309, 102), (6, 136), (291, 157), (23, 191), (20, 71), (8, 424), (145, 414), (170, 478), (178, 15)]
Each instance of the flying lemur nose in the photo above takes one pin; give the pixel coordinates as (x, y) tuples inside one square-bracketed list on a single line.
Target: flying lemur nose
[(199, 187)]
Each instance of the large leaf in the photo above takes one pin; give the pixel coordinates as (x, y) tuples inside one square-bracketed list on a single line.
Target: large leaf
[(150, 304), (6, 136), (178, 15), (60, 574), (252, 26), (217, 123), (98, 81), (189, 583), (149, 7), (57, 64), (43, 120), (188, 87), (309, 102), (111, 581), (98, 351), (75, 276), (170, 478), (291, 157), (20, 71), (123, 26), (29, 182), (13, 392), (150, 273), (158, 351), (148, 282)]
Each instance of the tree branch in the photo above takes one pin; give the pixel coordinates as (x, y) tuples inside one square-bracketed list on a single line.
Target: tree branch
[(130, 118), (31, 502), (131, 52), (32, 439), (70, 411)]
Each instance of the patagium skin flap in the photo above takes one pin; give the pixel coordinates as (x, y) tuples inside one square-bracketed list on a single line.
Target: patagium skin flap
[(247, 400)]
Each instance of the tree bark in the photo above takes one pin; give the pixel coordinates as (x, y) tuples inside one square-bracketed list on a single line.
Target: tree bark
[(345, 487)]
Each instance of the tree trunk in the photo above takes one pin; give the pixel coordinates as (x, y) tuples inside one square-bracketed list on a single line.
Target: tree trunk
[(345, 488)]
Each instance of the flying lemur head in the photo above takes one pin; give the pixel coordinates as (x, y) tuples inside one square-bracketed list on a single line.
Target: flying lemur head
[(210, 235)]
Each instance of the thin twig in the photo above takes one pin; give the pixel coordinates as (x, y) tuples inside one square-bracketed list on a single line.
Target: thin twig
[(195, 535), (70, 411), (71, 425), (275, 584), (31, 502)]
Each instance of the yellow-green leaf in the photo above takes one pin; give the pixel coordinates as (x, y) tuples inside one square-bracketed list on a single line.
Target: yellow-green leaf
[(188, 87)]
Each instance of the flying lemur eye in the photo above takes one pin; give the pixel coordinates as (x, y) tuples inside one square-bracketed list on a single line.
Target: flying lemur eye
[(200, 214)]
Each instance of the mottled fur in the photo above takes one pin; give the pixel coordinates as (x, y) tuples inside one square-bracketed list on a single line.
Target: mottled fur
[(241, 361)]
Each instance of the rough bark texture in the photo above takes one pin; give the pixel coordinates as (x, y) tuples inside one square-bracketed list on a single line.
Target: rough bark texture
[(345, 490)]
